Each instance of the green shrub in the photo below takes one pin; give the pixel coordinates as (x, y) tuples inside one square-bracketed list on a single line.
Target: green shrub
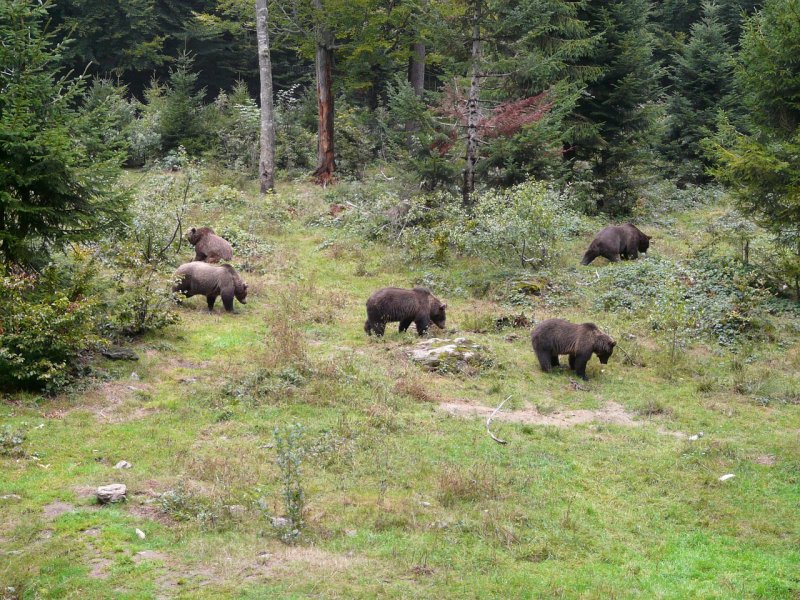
[(11, 441), (43, 332)]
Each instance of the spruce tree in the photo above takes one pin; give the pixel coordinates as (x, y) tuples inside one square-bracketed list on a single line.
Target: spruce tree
[(57, 175), (702, 79), (618, 109), (760, 163), (181, 120)]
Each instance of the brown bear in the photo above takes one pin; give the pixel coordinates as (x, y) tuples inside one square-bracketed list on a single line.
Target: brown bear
[(558, 336), (208, 246), (617, 241), (416, 306), (199, 278)]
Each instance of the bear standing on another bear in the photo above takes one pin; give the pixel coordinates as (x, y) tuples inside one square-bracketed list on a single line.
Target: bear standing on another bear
[(416, 306), (617, 241), (558, 336), (203, 279), (208, 246)]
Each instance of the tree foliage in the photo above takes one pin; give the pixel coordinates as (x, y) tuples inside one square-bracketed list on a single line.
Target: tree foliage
[(58, 165)]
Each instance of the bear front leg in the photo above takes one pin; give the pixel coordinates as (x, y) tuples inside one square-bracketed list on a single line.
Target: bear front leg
[(422, 326), (572, 361), (211, 299), (404, 325), (554, 361), (227, 301), (379, 328), (545, 360), (581, 360)]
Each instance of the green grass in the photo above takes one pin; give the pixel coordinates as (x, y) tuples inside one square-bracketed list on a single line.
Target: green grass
[(403, 499)]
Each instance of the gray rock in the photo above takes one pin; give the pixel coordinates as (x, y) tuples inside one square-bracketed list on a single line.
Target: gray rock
[(437, 354), (280, 522), (120, 353), (115, 492), (123, 464), (135, 376)]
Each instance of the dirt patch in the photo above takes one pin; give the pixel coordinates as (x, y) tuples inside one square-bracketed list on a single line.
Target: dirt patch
[(149, 555), (98, 568), (111, 402), (767, 460), (57, 508), (291, 559), (612, 413)]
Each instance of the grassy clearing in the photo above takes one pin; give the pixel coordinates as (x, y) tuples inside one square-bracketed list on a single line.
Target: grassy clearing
[(404, 499)]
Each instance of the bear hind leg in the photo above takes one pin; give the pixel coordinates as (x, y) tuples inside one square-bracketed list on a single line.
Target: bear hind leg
[(554, 360), (572, 361), (211, 300), (405, 324)]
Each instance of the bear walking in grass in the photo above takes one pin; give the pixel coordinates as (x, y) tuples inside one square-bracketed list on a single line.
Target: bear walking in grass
[(558, 336), (617, 241), (203, 279), (416, 306), (208, 246)]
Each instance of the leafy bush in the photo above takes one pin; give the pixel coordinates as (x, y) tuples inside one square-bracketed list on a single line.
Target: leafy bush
[(722, 299), (237, 127), (11, 441), (521, 226), (43, 331), (143, 260), (289, 445)]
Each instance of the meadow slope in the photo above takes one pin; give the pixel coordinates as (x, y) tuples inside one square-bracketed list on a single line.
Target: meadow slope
[(604, 490)]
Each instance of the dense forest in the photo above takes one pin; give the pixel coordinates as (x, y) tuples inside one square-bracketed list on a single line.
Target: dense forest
[(473, 147)]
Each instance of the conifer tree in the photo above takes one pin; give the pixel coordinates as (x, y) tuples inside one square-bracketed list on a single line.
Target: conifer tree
[(58, 174), (618, 109), (702, 80), (181, 118)]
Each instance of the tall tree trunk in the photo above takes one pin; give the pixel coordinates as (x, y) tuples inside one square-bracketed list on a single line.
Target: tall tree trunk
[(266, 163), (416, 73), (416, 78), (473, 108), (326, 163)]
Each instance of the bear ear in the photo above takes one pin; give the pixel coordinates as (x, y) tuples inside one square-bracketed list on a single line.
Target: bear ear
[(443, 306), (649, 237), (193, 230), (613, 343)]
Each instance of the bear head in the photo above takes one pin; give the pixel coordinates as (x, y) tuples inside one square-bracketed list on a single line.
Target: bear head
[(194, 235), (604, 347), (437, 313)]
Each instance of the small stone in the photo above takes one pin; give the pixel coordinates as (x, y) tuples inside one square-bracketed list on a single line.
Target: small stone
[(236, 510), (140, 534), (280, 522), (696, 436), (11, 497), (727, 476), (120, 353), (351, 533), (123, 464), (425, 504), (115, 492), (134, 376)]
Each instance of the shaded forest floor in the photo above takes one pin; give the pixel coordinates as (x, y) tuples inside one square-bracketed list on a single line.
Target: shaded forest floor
[(605, 489)]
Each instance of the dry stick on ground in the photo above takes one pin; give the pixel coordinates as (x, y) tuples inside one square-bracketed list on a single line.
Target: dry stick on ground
[(489, 422)]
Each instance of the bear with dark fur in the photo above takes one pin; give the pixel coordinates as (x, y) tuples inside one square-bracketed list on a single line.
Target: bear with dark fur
[(617, 241), (416, 306), (558, 336), (208, 246), (203, 279)]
